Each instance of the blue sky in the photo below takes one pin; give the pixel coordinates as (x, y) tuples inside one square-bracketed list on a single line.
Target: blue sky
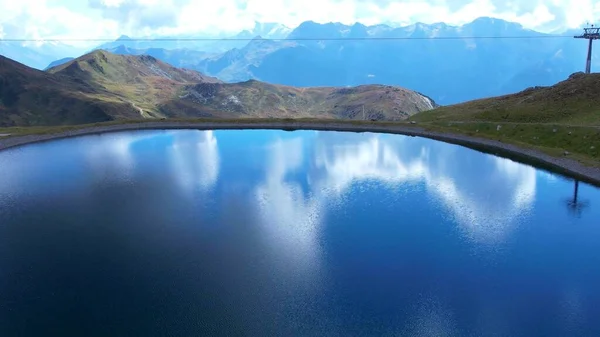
[(111, 18)]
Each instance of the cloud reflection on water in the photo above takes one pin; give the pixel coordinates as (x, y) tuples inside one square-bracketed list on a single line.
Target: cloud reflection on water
[(194, 158), (485, 195), (108, 153), (291, 221)]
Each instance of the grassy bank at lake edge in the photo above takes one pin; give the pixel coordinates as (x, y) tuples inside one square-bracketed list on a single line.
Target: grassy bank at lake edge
[(581, 142), (533, 144), (578, 142)]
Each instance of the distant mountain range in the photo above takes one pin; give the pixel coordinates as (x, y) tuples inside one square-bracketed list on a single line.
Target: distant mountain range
[(453, 69), (42, 56), (202, 42), (38, 56), (102, 86), (487, 57)]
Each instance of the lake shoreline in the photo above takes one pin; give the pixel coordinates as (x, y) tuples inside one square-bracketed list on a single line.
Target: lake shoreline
[(562, 165)]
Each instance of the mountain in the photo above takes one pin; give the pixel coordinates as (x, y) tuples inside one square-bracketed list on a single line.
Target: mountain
[(457, 67), (59, 62), (235, 64), (267, 30), (25, 55), (32, 97), (141, 86), (207, 43), (37, 56), (574, 101), (483, 58), (198, 42), (142, 81), (182, 58), (449, 70)]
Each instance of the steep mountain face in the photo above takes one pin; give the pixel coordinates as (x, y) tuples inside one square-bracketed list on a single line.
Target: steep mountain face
[(128, 86), (235, 65), (32, 97)]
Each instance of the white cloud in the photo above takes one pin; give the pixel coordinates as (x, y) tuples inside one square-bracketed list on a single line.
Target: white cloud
[(110, 18)]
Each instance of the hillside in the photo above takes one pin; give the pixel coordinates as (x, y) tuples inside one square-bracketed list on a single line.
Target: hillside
[(257, 99), (105, 67), (561, 120), (141, 86), (143, 81), (32, 97), (575, 101)]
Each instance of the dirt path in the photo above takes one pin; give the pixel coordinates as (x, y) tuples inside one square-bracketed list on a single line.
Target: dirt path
[(562, 165), (142, 113)]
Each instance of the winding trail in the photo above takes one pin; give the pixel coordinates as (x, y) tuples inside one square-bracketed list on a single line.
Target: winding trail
[(142, 113), (562, 165)]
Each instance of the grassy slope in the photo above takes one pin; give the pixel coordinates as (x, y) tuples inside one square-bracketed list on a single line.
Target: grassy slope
[(142, 81), (161, 90), (258, 99), (32, 97), (563, 117)]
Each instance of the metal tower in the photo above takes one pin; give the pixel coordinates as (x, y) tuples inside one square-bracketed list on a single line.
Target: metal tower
[(591, 33)]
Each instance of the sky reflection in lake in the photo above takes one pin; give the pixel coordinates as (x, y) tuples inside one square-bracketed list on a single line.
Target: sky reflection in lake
[(290, 233)]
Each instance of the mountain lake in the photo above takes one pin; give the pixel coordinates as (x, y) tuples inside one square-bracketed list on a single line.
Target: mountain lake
[(304, 233)]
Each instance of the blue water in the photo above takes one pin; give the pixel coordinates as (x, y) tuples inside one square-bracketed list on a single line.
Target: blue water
[(305, 233)]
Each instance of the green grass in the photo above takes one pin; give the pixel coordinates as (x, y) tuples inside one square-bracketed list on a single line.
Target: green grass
[(563, 117), (575, 101), (581, 142)]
